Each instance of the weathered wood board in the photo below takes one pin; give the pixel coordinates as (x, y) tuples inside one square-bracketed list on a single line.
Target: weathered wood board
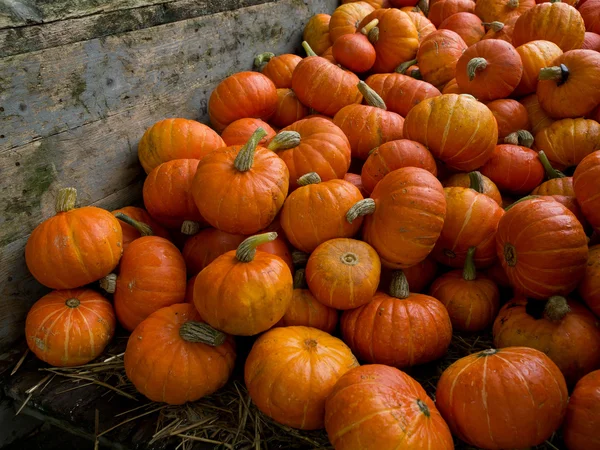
[(72, 115)]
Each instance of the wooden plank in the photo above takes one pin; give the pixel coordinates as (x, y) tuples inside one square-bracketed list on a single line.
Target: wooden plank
[(17, 40)]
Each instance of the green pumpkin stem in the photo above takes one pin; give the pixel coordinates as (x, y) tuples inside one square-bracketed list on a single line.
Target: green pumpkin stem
[(402, 68), (143, 228), (368, 27), (190, 227), (495, 26), (416, 74), (299, 258), (300, 279), (199, 332), (284, 140), (476, 181), (528, 197), (399, 286), (423, 5), (247, 249), (309, 178), (423, 407), (262, 59), (245, 157), (373, 35), (372, 98), (475, 65), (522, 137), (109, 283), (360, 208), (66, 199), (551, 172), (469, 271), (556, 308), (307, 48)]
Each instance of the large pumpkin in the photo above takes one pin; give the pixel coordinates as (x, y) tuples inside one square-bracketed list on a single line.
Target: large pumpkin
[(75, 247), (69, 327), (538, 118), (316, 33), (514, 397), (290, 372), (590, 12), (580, 428), (238, 132), (476, 181), (591, 41), (566, 142), (514, 169), (422, 23), (437, 56), (136, 222), (418, 276), (172, 350), (587, 188), (535, 55), (376, 407), (589, 289)]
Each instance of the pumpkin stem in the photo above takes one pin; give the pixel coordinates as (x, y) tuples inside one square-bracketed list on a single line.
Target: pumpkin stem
[(143, 228), (309, 51), (190, 227), (373, 35), (72, 303), (560, 74), (247, 249), (423, 407), (299, 258), (469, 271), (261, 60), (300, 279), (284, 140), (522, 137), (495, 26), (360, 208), (488, 352), (372, 97), (368, 27), (109, 283), (551, 172), (423, 5), (555, 1), (513, 4), (556, 308), (349, 259), (309, 178), (510, 254), (402, 68), (399, 286), (65, 201), (527, 197), (198, 332), (475, 65), (476, 181), (245, 158), (416, 74)]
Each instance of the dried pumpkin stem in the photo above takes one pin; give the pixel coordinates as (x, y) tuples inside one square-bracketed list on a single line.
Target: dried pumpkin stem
[(488, 352), (284, 140), (560, 74), (399, 286), (373, 35), (522, 137), (300, 279), (551, 172), (261, 60), (309, 178), (513, 4), (402, 68), (349, 259), (469, 271), (556, 308), (299, 258), (190, 227), (198, 332), (109, 283), (368, 27), (495, 26), (372, 98), (72, 303), (143, 228), (247, 249), (474, 66), (66, 199), (245, 158), (423, 5), (309, 51), (423, 407), (476, 181), (360, 208)]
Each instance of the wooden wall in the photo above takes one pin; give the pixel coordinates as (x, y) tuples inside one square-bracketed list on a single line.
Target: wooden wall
[(80, 81)]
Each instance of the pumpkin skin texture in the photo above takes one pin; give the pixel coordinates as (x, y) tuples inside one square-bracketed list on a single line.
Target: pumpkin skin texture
[(487, 186), (591, 42), (243, 94), (280, 68), (130, 234), (75, 247), (152, 275), (589, 289), (423, 24), (437, 56), (316, 33), (354, 52), (587, 189), (514, 169), (289, 109), (346, 19), (175, 379), (440, 10), (501, 10), (566, 142), (558, 329), (238, 132), (356, 180), (590, 13), (556, 186), (535, 55), (290, 372), (510, 115), (418, 276), (471, 135), (519, 391), (206, 246), (176, 139), (69, 327), (580, 428), (467, 25), (343, 273), (394, 155), (372, 407), (538, 118), (244, 292), (542, 247)]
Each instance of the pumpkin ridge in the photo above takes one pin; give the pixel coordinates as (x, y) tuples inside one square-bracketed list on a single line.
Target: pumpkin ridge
[(466, 146), (345, 430)]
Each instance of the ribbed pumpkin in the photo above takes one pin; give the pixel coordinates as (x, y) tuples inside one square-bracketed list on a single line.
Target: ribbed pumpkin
[(404, 216), (176, 139), (75, 247), (136, 222), (343, 273), (238, 132), (460, 131), (316, 33), (376, 407), (514, 397), (557, 183), (69, 327), (580, 428), (290, 372), (467, 25), (538, 118), (422, 24), (346, 19), (566, 142), (437, 56), (510, 115), (500, 10), (241, 189), (289, 109), (401, 329), (206, 246), (502, 31), (170, 351), (542, 247), (589, 289), (477, 181), (418, 276), (244, 292), (278, 69), (535, 55), (587, 188), (590, 12), (514, 169), (354, 51), (591, 41), (440, 10)]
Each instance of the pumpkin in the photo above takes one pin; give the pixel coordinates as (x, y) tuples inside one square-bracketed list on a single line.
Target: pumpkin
[(313, 145), (513, 397), (510, 115), (558, 328), (404, 216), (535, 55), (501, 30), (467, 25), (244, 292), (278, 69), (460, 131), (368, 126), (440, 10), (170, 351), (542, 247), (152, 275), (171, 139), (475, 180), (241, 189), (418, 276), (514, 169), (394, 155), (566, 142), (75, 247), (401, 329), (355, 51), (377, 407), (69, 327), (316, 212), (346, 19), (580, 428), (437, 56), (356, 180), (374, 3), (489, 70), (591, 41), (136, 222), (290, 372), (570, 202), (451, 87), (241, 95), (422, 24), (316, 33), (589, 289), (343, 273), (587, 189), (557, 183), (471, 221), (500, 10), (472, 300), (400, 92), (203, 248), (590, 13), (238, 132), (289, 109), (538, 118)]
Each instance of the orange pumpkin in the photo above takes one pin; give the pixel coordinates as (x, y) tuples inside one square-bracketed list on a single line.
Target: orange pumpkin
[(203, 248), (289, 109), (591, 41), (418, 276), (538, 118), (238, 132), (500, 10), (587, 188), (278, 69), (589, 289), (440, 10), (437, 56), (75, 247), (356, 180), (290, 372), (346, 19), (514, 169), (580, 428), (69, 327), (535, 55), (590, 13), (135, 223), (510, 115), (316, 33), (422, 24), (467, 25), (566, 142), (478, 182), (501, 30)]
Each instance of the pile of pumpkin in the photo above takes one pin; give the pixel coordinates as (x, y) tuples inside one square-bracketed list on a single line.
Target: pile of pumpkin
[(403, 196)]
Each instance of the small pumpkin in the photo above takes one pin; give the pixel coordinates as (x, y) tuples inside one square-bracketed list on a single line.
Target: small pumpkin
[(591, 41), (289, 109), (589, 289), (451, 87), (355, 51), (440, 10), (356, 180), (514, 169), (500, 10), (538, 118), (69, 327), (278, 69), (535, 55), (557, 183), (203, 248), (418, 276), (590, 13), (587, 188), (510, 115), (437, 56), (502, 31), (136, 222), (580, 428), (422, 24), (467, 25), (316, 33), (346, 19), (238, 132), (475, 180)]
